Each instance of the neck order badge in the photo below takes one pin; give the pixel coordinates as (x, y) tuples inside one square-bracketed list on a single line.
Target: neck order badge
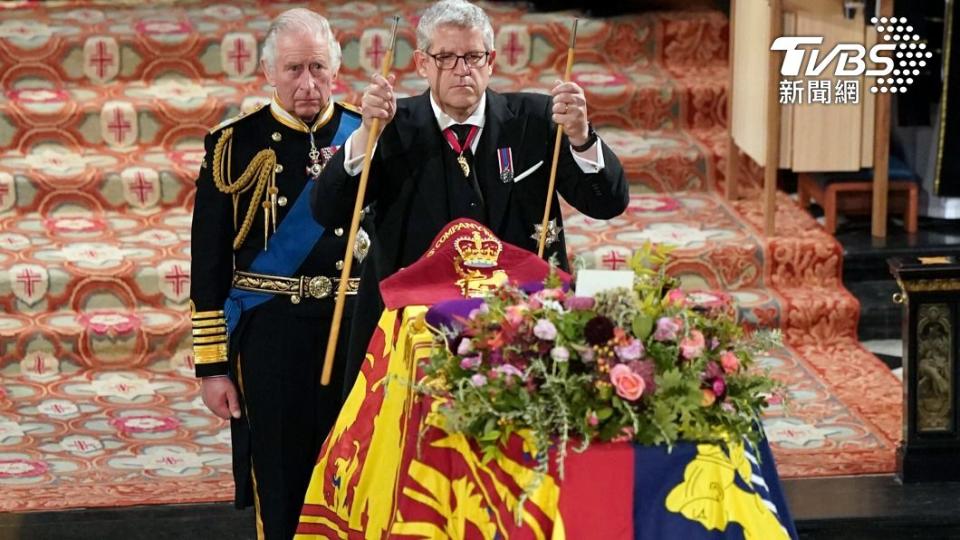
[(454, 135)]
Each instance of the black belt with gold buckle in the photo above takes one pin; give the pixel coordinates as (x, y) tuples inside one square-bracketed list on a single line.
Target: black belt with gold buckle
[(296, 287)]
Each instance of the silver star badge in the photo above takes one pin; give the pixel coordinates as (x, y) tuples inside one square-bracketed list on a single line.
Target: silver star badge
[(553, 232), (362, 245)]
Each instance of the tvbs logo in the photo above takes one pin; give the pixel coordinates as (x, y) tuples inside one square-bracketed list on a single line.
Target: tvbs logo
[(849, 56), (894, 61)]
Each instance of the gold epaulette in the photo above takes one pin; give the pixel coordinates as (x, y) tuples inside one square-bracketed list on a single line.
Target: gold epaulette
[(209, 336), (350, 107), (260, 174), (234, 119)]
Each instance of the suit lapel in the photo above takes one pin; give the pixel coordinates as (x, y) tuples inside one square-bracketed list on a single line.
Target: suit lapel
[(418, 136), (501, 130)]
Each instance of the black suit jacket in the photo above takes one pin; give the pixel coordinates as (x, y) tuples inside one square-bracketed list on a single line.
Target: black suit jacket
[(409, 188)]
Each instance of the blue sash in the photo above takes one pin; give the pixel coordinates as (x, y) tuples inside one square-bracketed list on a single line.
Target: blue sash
[(295, 238)]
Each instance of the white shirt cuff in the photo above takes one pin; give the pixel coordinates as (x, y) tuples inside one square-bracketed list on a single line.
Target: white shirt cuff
[(352, 164), (590, 160)]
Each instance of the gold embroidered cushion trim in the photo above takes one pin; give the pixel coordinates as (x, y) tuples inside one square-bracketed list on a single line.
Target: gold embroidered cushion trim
[(297, 287)]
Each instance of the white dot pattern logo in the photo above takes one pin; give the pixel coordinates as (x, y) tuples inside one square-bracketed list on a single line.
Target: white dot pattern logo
[(897, 30)]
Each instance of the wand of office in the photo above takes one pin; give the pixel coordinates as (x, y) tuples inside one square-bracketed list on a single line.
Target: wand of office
[(355, 224), (556, 151)]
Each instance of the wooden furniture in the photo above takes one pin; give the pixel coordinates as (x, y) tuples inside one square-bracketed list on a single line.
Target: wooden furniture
[(852, 193), (801, 137), (930, 296)]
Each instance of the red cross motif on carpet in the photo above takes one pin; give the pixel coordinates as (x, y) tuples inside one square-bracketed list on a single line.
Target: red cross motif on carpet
[(373, 47), (81, 444), (613, 260), (118, 124), (513, 46), (29, 282), (40, 366), (174, 279), (238, 54), (101, 58), (141, 187)]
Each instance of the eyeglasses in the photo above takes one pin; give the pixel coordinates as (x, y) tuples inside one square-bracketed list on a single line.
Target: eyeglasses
[(471, 59)]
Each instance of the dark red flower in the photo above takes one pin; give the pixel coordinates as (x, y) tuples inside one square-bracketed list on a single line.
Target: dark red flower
[(598, 330)]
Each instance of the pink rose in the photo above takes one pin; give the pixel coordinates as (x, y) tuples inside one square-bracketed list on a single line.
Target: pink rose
[(629, 385), (667, 328), (692, 345), (729, 361)]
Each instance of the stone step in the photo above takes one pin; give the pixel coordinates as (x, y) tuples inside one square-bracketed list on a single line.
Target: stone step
[(83, 44), (164, 111)]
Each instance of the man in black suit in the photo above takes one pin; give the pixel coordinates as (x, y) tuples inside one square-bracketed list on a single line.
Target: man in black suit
[(461, 150)]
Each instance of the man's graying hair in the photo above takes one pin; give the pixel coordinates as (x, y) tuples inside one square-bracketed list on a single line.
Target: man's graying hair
[(457, 13), (300, 20)]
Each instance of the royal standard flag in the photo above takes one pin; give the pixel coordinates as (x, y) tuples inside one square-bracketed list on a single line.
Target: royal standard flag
[(390, 468)]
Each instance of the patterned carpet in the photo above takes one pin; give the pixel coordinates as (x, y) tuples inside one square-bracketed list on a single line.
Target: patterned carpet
[(102, 114)]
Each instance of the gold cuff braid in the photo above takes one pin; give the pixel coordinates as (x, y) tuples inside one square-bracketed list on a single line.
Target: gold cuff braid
[(209, 336), (204, 340), (210, 354), (208, 323), (206, 314)]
